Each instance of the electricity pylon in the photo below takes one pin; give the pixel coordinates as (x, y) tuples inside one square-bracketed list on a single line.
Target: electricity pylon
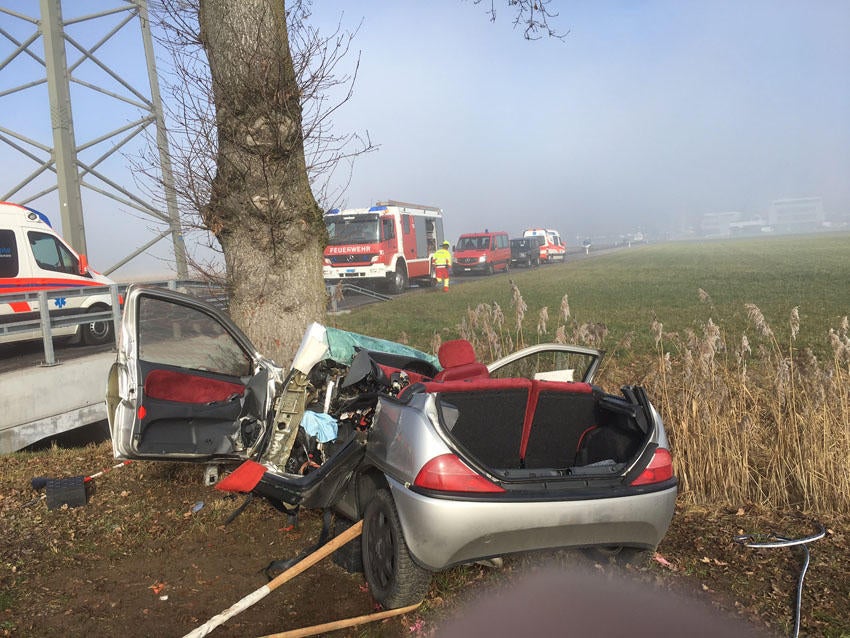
[(63, 157)]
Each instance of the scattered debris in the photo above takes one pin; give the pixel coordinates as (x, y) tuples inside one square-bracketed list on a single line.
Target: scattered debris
[(772, 540)]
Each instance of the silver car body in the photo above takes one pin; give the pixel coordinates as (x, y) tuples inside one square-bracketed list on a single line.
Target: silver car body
[(405, 432)]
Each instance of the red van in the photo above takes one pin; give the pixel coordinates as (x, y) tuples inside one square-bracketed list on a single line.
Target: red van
[(482, 252)]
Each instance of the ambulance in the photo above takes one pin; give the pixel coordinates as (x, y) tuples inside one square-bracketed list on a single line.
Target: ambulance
[(34, 257), (553, 249), (387, 245)]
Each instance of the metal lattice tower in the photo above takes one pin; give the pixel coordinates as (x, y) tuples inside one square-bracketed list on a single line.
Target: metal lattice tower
[(103, 69)]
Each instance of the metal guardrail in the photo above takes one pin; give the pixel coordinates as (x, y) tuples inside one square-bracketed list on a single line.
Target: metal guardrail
[(335, 294), (47, 322)]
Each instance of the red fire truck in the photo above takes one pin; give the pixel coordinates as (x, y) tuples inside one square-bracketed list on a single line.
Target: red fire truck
[(388, 245)]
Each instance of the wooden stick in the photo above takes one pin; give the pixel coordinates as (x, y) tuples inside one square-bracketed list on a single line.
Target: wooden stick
[(342, 624), (328, 548)]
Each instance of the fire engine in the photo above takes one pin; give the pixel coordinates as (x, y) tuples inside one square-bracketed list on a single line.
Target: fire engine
[(387, 245)]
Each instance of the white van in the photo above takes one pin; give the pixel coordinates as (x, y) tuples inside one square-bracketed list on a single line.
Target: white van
[(553, 249), (34, 257)]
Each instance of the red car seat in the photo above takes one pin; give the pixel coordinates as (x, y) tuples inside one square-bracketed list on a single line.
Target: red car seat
[(458, 360)]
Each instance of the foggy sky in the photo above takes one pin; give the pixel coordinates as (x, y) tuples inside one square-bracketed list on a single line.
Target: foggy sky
[(646, 116)]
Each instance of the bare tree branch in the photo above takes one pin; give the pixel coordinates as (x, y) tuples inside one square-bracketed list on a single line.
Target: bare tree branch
[(533, 16)]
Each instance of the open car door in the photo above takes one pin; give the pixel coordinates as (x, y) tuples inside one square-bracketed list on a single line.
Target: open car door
[(187, 384), (549, 362)]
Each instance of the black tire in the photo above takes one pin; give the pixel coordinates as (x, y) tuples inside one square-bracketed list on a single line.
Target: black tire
[(395, 580), (489, 270), (98, 333), (618, 555), (397, 281), (507, 266)]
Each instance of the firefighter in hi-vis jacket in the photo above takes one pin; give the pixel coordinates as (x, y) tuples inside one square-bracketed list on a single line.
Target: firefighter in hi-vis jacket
[(442, 265)]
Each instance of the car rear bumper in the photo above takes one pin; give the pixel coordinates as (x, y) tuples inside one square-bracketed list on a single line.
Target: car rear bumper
[(441, 532)]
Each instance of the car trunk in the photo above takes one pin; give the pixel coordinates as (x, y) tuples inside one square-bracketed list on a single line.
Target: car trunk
[(520, 430)]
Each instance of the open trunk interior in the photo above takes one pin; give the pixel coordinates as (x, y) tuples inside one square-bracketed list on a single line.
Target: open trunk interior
[(518, 429)]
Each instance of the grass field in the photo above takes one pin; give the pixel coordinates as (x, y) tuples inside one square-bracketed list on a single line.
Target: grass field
[(627, 289), (744, 347)]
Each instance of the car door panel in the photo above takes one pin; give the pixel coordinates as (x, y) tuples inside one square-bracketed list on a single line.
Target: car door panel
[(189, 413), (187, 383)]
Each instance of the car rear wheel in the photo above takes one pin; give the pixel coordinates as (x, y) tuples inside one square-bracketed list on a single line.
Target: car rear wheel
[(97, 333), (395, 580)]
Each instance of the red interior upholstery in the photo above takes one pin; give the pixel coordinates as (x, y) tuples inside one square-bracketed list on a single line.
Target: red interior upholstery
[(535, 388), (475, 385), (458, 360), (414, 377), (169, 385), (456, 353)]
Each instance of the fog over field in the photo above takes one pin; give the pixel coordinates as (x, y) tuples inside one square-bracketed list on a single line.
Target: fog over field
[(643, 117)]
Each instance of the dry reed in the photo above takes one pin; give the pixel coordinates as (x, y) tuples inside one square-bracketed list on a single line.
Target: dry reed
[(749, 419)]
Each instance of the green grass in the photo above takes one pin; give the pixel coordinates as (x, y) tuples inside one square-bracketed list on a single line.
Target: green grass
[(626, 289)]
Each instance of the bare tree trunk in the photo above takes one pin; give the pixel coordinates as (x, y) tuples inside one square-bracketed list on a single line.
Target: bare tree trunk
[(261, 207)]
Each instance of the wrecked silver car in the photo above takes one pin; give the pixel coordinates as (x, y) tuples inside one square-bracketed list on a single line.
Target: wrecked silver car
[(446, 460)]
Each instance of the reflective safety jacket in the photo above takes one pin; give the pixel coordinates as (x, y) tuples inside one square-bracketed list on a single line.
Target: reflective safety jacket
[(442, 257)]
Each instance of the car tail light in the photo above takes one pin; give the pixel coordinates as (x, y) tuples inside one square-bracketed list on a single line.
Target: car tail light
[(448, 473), (660, 468)]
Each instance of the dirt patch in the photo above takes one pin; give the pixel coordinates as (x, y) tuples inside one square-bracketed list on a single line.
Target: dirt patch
[(150, 553)]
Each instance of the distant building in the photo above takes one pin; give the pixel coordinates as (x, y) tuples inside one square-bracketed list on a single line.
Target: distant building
[(803, 214), (749, 228), (717, 224)]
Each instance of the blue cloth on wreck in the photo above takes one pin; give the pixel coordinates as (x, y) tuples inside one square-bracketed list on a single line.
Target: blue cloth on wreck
[(322, 426)]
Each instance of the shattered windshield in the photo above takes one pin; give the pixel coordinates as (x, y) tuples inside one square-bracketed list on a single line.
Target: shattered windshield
[(352, 230)]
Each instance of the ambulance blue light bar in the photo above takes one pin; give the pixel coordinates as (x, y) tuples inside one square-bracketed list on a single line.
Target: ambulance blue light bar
[(41, 216), (377, 208), (332, 211)]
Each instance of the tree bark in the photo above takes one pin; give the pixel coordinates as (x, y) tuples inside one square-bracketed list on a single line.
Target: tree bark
[(261, 208)]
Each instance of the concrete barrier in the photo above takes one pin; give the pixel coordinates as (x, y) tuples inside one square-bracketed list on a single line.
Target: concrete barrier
[(39, 402)]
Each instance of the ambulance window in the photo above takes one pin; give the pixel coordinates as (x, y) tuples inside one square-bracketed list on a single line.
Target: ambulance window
[(405, 221), (52, 254), (8, 254)]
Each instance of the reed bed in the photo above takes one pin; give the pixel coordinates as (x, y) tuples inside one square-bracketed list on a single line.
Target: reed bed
[(753, 417)]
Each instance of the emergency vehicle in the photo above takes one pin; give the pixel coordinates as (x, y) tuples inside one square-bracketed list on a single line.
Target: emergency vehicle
[(388, 245), (34, 257), (553, 249), (483, 252)]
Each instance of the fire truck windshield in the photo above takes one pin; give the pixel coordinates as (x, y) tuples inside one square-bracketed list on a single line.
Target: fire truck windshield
[(363, 229)]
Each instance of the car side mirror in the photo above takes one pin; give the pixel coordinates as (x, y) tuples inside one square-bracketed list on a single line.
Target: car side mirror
[(84, 265)]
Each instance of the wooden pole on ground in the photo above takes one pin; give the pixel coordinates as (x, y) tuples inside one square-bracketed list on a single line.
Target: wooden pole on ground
[(328, 548), (315, 630)]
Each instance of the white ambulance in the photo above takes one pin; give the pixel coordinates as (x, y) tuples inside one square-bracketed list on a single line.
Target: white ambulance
[(34, 257), (553, 249)]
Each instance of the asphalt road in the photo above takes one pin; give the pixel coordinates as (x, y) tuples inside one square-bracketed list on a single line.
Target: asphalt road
[(15, 356), (353, 300)]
